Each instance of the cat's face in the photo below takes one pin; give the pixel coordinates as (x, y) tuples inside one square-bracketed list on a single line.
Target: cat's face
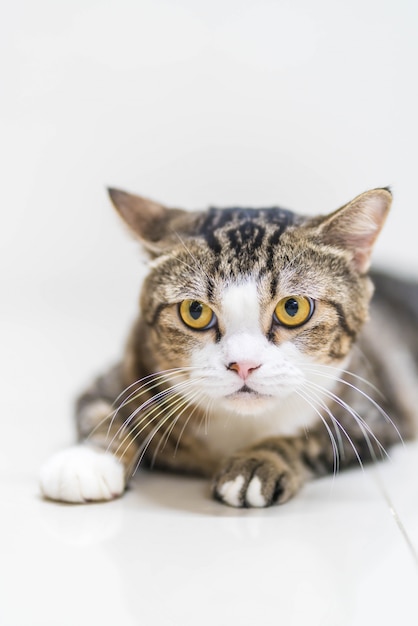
[(249, 302)]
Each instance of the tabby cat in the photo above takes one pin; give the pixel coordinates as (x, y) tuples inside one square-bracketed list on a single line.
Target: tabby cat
[(250, 362)]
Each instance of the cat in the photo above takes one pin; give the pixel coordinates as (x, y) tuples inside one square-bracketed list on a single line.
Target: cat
[(251, 362)]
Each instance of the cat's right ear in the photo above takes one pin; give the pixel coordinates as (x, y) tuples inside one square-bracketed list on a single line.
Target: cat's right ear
[(355, 226), (149, 221)]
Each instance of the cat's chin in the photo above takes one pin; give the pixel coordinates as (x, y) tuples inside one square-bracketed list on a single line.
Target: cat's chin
[(248, 403)]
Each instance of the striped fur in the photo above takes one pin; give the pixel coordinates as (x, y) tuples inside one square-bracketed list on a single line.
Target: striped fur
[(257, 406)]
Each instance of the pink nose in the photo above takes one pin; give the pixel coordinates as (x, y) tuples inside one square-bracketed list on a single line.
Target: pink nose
[(244, 368)]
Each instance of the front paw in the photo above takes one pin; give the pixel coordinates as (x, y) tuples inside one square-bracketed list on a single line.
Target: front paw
[(82, 474), (256, 479)]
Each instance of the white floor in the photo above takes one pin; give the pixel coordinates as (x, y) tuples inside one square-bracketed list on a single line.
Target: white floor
[(165, 553)]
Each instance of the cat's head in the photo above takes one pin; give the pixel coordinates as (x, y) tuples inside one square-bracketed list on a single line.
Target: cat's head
[(252, 300)]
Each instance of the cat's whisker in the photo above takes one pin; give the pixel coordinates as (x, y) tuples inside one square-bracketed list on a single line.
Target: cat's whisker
[(146, 421), (165, 437), (189, 397), (149, 389), (100, 423), (364, 427), (155, 398), (185, 426), (166, 404), (144, 446), (190, 403), (150, 376), (146, 389), (140, 427), (182, 404), (208, 412), (382, 412), (318, 367), (338, 424), (164, 375), (124, 426), (335, 449), (203, 422)]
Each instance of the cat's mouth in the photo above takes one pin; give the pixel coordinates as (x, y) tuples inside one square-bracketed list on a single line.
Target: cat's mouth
[(246, 391), (247, 401)]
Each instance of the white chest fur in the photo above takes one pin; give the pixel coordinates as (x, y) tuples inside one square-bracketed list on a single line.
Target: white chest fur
[(226, 432)]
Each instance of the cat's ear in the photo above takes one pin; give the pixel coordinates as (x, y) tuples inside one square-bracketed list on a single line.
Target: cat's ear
[(150, 221), (356, 225)]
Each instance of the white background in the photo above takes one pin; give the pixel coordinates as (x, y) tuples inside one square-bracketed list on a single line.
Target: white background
[(297, 103)]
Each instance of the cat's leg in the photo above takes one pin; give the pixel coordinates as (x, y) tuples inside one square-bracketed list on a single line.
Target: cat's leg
[(268, 473), (98, 467), (273, 470), (112, 444)]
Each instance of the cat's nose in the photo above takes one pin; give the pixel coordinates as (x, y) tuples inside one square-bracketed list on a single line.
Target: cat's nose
[(243, 368)]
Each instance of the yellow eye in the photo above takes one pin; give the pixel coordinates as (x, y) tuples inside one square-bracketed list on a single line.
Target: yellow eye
[(196, 315), (294, 311)]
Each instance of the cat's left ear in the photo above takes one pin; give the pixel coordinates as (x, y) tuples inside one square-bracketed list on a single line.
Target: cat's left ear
[(152, 222), (356, 225)]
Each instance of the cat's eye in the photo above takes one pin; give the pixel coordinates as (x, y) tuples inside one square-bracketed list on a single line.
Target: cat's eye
[(196, 314), (294, 311)]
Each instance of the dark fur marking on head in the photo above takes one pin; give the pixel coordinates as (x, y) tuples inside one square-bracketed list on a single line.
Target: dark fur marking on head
[(342, 318), (160, 308), (243, 226), (248, 235)]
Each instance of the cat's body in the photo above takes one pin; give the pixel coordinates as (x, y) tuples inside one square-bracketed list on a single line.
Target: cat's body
[(250, 361)]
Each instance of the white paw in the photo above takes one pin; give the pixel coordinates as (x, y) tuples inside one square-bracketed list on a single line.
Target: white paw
[(230, 492), (254, 496), (82, 474), (233, 492)]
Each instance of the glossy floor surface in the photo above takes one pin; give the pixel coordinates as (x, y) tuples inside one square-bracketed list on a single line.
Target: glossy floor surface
[(165, 554)]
